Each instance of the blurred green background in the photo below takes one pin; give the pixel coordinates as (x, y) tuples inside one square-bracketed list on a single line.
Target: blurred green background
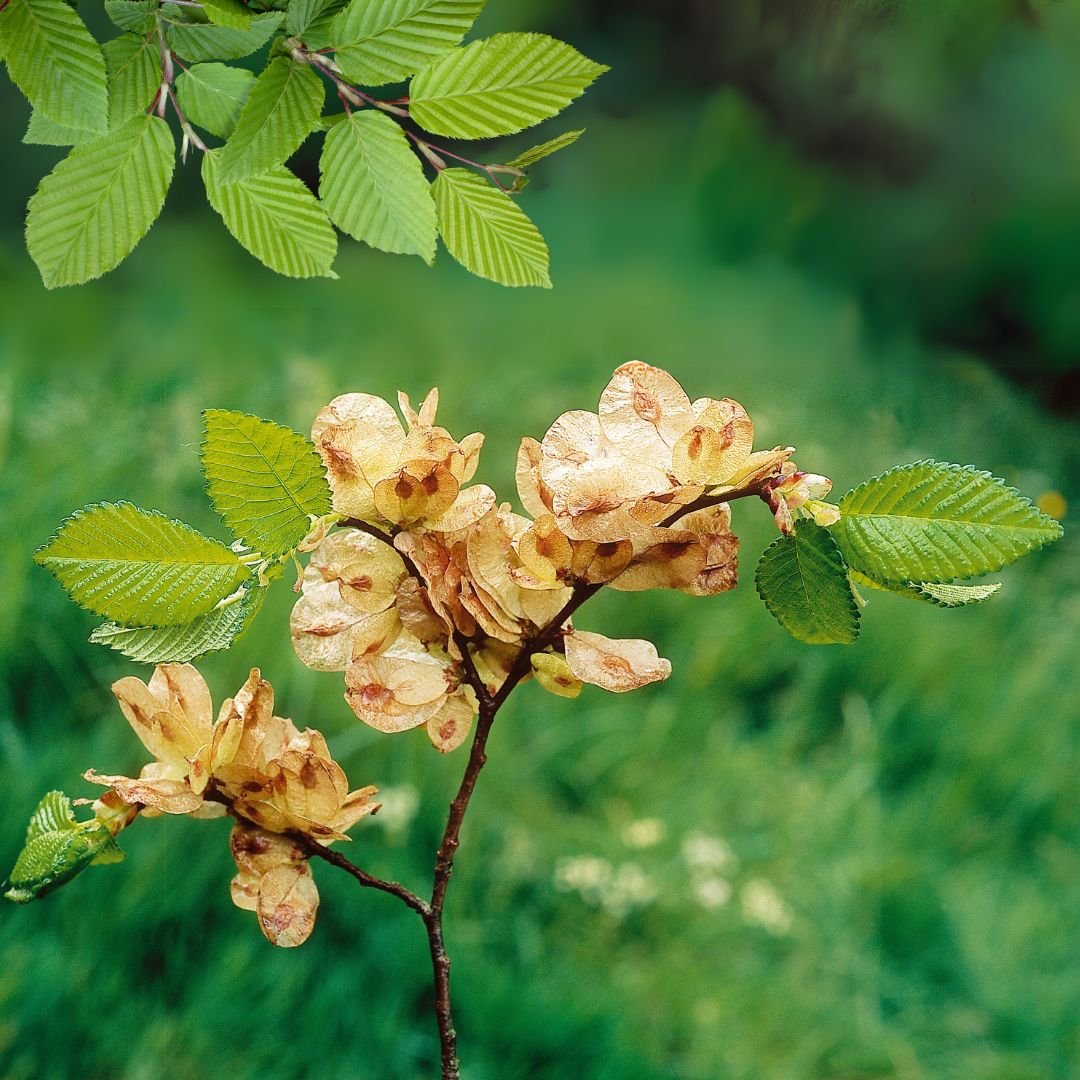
[(859, 219)]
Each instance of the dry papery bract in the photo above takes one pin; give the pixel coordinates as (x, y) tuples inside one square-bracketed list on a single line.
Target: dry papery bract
[(274, 779), (425, 577)]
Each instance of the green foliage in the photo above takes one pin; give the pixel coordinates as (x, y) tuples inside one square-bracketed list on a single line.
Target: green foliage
[(385, 41), (171, 58), (282, 109), (265, 481), (213, 96), (98, 203), (57, 849), (212, 632), (138, 568), (373, 186), (931, 522), (276, 218), (804, 583), (487, 232), (501, 85)]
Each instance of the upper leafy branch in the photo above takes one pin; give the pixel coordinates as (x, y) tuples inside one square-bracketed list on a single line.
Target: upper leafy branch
[(172, 594), (109, 103)]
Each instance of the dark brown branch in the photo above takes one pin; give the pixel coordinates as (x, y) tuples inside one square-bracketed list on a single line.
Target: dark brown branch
[(317, 851)]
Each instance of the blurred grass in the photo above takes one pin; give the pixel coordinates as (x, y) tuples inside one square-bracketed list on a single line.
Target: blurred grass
[(909, 805)]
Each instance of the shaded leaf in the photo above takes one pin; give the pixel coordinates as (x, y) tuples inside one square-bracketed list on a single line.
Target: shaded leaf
[(212, 632), (138, 567), (212, 96), (138, 16), (199, 40), (41, 131), (804, 583), (227, 13)]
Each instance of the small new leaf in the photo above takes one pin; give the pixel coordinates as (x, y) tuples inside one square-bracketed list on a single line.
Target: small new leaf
[(213, 632), (199, 40), (499, 85), (57, 848), (487, 232), (940, 594), (804, 583), (546, 149), (139, 568), (281, 111), (276, 218), (385, 41), (935, 522), (373, 186), (88, 214), (53, 59), (212, 96), (265, 480)]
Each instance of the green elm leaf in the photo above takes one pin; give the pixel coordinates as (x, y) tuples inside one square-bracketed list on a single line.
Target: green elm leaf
[(276, 219), (384, 41), (53, 59), (804, 583), (373, 186), (229, 13), (134, 66), (935, 522), (212, 96), (198, 40), (138, 16), (213, 632), (138, 567), (499, 85), (281, 111), (88, 214), (265, 480), (545, 149), (487, 232)]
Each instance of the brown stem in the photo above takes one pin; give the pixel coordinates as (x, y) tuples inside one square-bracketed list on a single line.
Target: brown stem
[(335, 858)]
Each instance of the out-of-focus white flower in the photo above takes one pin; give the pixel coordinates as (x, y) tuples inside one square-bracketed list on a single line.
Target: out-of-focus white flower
[(645, 833), (702, 852), (712, 892), (399, 806), (763, 906)]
